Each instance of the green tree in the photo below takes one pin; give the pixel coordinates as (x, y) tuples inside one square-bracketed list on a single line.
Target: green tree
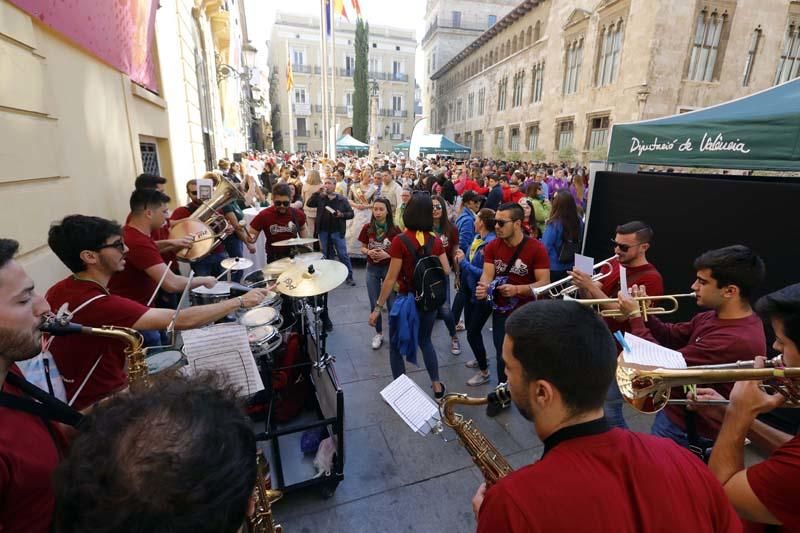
[(275, 114), (360, 83)]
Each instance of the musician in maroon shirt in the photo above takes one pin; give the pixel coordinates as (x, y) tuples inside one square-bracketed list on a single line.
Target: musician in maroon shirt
[(631, 243), (729, 332), (560, 360), (279, 222), (764, 494)]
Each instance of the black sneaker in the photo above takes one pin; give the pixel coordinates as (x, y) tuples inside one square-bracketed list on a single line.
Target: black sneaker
[(328, 325), (350, 281), (439, 395), (495, 408)]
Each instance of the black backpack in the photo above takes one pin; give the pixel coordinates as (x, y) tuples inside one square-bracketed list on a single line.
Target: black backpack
[(429, 279)]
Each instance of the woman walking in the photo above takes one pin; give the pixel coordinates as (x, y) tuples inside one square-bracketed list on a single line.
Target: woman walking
[(562, 235), (376, 238), (448, 235)]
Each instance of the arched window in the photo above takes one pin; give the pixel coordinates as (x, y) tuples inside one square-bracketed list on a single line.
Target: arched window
[(514, 45), (537, 31), (528, 35)]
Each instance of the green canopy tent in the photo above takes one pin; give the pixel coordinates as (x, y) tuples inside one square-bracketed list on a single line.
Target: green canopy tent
[(757, 132), (402, 147), (439, 144), (349, 143)]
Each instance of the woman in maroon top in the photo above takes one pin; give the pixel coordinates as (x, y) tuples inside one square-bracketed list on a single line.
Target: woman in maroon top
[(448, 234), (418, 219), (376, 238)]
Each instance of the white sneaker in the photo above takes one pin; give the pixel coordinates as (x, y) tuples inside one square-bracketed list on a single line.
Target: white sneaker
[(455, 347), (377, 340)]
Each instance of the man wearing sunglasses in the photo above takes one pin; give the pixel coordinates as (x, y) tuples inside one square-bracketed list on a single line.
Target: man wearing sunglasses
[(525, 264), (93, 249), (279, 222), (631, 243)]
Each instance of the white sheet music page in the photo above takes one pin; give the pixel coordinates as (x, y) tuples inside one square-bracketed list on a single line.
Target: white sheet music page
[(414, 406), (644, 352), (223, 348)]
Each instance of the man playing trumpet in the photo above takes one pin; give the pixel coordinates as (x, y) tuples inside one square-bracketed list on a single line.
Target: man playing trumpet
[(729, 332)]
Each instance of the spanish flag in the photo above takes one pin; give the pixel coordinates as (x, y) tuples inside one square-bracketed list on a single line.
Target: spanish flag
[(357, 7), (289, 75)]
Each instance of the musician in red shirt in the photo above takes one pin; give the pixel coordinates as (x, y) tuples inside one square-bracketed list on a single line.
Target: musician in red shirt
[(764, 494), (729, 332), (279, 222), (93, 367), (631, 243), (561, 359), (524, 264)]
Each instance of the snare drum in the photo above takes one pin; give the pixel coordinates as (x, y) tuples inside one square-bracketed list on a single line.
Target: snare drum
[(218, 293), (261, 316), (272, 300), (165, 361), (264, 340)]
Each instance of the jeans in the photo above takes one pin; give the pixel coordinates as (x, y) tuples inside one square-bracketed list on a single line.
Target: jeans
[(338, 243), (498, 334), (426, 322), (613, 407), (209, 265), (460, 301), (446, 314), (475, 320), (375, 276), (235, 248), (664, 427)]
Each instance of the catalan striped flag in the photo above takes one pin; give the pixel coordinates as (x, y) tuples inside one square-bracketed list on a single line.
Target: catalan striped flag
[(289, 75)]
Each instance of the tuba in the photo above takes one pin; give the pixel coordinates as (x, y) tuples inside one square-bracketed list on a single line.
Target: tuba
[(261, 521), (484, 454), (138, 375), (206, 227)]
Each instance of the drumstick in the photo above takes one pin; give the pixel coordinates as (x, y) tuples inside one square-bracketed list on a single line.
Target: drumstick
[(160, 282), (224, 273)]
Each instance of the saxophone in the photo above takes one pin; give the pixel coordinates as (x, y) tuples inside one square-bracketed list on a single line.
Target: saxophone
[(261, 521), (484, 454), (138, 375)]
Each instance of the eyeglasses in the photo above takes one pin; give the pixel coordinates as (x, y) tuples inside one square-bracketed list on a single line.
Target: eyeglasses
[(625, 247), (502, 223), (119, 245), (281, 203)]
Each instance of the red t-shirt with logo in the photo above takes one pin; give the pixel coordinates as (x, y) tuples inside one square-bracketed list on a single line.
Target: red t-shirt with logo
[(278, 227), (133, 282), (76, 354), (28, 458), (449, 241), (774, 482), (533, 256), (370, 240), (399, 250)]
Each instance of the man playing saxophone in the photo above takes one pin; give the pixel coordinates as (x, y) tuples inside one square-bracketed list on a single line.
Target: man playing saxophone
[(765, 493), (93, 249), (560, 360)]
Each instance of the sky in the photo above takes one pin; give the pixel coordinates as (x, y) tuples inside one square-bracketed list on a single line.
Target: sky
[(406, 14)]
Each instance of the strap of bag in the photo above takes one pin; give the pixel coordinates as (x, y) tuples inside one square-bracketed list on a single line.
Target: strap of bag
[(514, 257), (46, 406), (294, 222)]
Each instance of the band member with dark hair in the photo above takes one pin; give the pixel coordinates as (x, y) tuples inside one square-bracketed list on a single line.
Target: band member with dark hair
[(30, 446), (730, 331), (144, 266), (513, 265), (765, 493), (143, 462), (631, 243), (150, 181), (93, 249), (279, 222), (561, 359)]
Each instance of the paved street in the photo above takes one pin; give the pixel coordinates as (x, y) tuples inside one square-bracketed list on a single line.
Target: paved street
[(396, 480)]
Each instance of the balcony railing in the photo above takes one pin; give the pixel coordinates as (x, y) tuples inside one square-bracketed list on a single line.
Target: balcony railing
[(396, 136), (344, 110), (398, 76), (301, 69), (346, 72), (302, 133), (301, 110), (402, 113)]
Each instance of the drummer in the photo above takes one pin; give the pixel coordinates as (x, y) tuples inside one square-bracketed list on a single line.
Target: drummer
[(93, 249), (279, 222)]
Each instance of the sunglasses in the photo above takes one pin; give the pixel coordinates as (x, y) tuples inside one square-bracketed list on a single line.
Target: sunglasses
[(502, 223), (192, 193), (437, 207), (280, 203), (624, 247), (119, 245)]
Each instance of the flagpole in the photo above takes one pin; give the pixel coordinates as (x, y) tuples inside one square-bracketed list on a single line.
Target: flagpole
[(290, 97), (332, 133), (324, 54)]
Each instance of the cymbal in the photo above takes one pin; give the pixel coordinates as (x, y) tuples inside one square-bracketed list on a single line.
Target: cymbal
[(324, 276), (296, 241), (282, 265), (236, 263)]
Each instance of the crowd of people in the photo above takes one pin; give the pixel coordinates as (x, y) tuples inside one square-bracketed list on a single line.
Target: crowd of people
[(470, 243)]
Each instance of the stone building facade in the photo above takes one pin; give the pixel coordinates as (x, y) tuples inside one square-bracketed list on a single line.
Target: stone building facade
[(391, 65), (550, 79)]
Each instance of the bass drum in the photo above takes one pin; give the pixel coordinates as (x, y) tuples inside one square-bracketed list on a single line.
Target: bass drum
[(166, 361)]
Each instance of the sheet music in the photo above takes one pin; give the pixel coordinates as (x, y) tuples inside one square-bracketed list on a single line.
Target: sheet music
[(623, 280), (414, 406), (584, 264), (644, 352), (224, 348)]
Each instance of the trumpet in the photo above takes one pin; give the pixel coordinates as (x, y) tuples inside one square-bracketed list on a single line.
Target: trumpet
[(644, 305), (647, 389), (564, 287)]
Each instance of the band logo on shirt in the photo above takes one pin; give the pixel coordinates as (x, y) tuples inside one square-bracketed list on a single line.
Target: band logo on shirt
[(274, 229), (519, 268)]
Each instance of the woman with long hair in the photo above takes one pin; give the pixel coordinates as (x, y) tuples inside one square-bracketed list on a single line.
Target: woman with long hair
[(376, 238), (562, 235), (360, 196), (529, 227), (448, 235), (313, 184), (541, 205), (418, 218)]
